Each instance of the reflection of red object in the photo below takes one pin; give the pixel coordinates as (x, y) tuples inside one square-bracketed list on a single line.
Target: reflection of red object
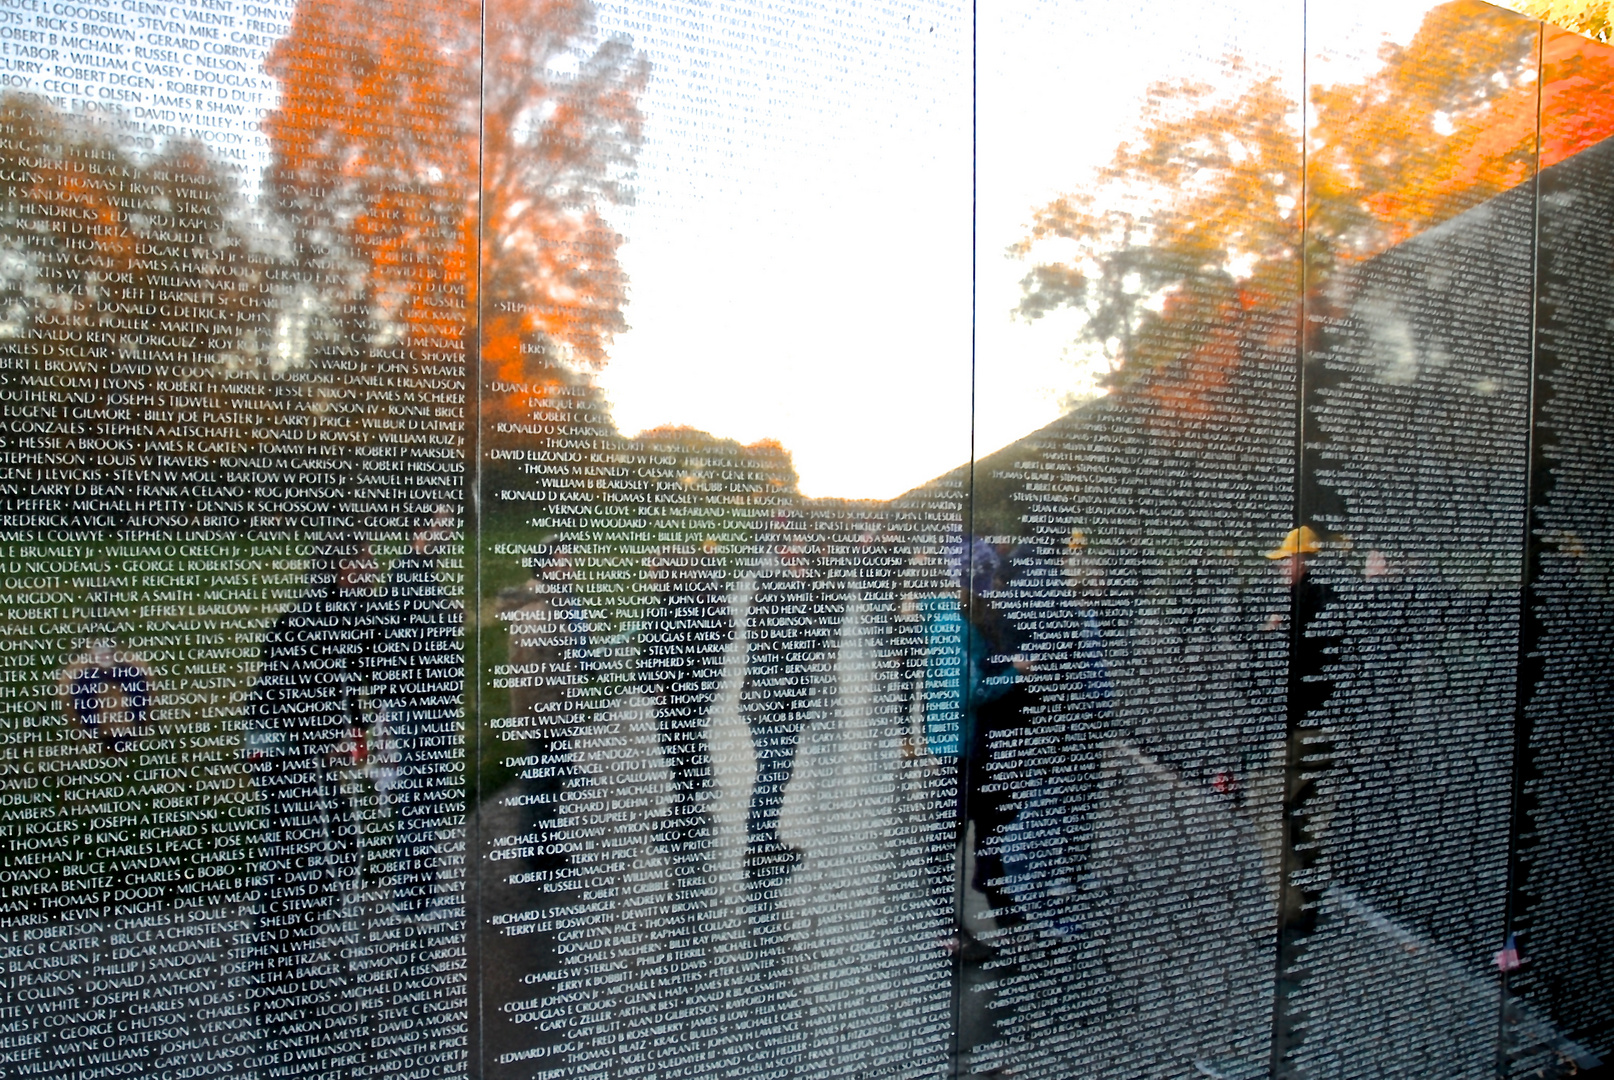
[(1567, 111), (1508, 958), (1225, 783), (358, 747)]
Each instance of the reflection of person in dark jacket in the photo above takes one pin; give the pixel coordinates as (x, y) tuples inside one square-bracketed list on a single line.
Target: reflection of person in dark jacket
[(998, 698), (300, 714), (681, 661), (1306, 752), (1067, 703), (788, 631), (420, 676)]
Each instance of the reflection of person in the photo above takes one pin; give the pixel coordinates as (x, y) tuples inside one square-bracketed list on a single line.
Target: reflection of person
[(1293, 559), (788, 630), (420, 674), (681, 660), (1053, 603), (300, 714), (998, 699), (935, 671), (1305, 749)]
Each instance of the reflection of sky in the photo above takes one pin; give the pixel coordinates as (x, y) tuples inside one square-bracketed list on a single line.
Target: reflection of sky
[(800, 251)]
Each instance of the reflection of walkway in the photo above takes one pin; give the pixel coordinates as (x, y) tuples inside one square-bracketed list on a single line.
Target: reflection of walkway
[(634, 961), (1173, 961), (1435, 1011), (1172, 974), (649, 961)]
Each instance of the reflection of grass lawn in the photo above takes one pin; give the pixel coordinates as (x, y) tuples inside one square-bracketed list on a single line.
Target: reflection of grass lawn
[(500, 566)]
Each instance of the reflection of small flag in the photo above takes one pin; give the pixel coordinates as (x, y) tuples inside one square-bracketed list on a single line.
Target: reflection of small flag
[(1508, 958)]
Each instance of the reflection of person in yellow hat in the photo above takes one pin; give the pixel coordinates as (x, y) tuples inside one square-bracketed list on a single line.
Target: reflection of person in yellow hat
[(1301, 541), (1297, 548), (1079, 569)]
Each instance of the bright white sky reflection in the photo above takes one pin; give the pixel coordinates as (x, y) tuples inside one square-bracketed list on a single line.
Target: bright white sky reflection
[(800, 252)]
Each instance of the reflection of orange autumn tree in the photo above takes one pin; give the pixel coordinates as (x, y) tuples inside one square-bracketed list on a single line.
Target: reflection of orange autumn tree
[(1191, 235), (561, 126), (1193, 219), (419, 165), (1576, 104)]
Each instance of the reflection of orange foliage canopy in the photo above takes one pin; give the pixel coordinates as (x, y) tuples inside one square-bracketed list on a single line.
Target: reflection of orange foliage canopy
[(1575, 109), (1409, 146), (374, 156), (1577, 95), (431, 175), (1377, 146), (1188, 249)]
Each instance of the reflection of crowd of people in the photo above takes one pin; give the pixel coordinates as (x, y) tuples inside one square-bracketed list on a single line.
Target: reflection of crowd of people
[(791, 627), (996, 653), (994, 663), (998, 663)]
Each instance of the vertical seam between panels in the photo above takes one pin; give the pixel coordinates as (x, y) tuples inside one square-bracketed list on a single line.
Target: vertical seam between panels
[(473, 830), (1526, 669), (1278, 1048), (960, 800)]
